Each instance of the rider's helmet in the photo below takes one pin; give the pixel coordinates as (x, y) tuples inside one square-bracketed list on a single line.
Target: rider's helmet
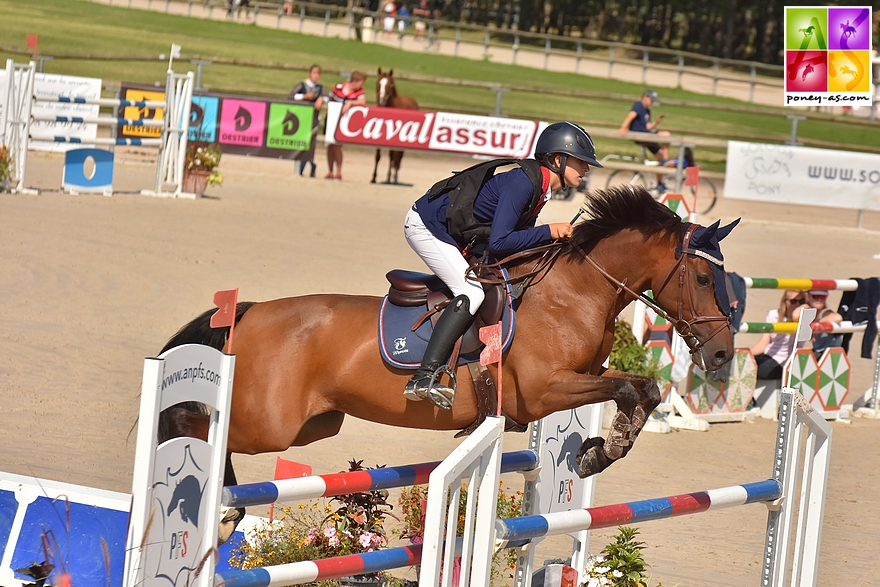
[(565, 138), (655, 99)]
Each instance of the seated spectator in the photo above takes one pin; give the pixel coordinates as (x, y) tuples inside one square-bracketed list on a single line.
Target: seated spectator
[(773, 350), (421, 12), (817, 298)]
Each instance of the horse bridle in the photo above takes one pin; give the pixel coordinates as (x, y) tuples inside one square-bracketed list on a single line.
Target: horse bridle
[(682, 326)]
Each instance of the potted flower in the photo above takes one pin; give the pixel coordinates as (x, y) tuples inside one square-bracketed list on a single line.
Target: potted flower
[(200, 170), (347, 524), (5, 167)]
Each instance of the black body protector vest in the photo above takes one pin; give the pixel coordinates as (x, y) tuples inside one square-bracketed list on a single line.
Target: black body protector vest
[(463, 188)]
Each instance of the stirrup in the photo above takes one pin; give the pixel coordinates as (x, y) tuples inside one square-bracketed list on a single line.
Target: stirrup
[(442, 396)]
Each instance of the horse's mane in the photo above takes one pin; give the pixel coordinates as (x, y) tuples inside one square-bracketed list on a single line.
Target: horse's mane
[(620, 208)]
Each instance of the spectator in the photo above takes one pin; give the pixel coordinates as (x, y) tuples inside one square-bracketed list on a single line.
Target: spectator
[(773, 350), (309, 90), (816, 298), (288, 7), (390, 9), (402, 18), (350, 93), (421, 13), (639, 120)]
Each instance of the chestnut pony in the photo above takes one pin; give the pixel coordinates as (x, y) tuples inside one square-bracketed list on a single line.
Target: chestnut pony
[(302, 363), (387, 96)]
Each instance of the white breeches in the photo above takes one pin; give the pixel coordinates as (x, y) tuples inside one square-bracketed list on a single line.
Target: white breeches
[(443, 259)]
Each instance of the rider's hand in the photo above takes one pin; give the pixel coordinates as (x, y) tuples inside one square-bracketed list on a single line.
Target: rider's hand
[(560, 230)]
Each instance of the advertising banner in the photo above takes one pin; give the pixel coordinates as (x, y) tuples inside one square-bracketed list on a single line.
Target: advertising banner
[(431, 131), (241, 125), (802, 175)]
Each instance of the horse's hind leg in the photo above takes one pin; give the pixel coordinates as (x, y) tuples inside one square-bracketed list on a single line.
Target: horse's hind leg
[(397, 158)]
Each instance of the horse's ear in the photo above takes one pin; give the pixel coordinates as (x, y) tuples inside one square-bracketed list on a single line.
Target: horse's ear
[(703, 235), (725, 230), (391, 72), (380, 71)]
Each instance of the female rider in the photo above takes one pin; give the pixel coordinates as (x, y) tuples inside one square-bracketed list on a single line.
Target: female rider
[(508, 205)]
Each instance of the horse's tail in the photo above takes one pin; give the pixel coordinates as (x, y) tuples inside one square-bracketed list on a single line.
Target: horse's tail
[(173, 422)]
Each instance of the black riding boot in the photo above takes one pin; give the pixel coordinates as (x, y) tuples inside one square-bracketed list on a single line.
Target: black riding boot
[(454, 321)]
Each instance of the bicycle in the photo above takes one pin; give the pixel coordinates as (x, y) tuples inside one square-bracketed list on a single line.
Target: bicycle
[(706, 192)]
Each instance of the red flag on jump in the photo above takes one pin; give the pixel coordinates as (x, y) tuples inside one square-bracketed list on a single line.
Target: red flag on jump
[(491, 336), (226, 301), (693, 175), (32, 43)]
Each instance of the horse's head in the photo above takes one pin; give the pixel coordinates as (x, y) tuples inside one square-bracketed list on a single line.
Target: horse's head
[(697, 287), (385, 89)]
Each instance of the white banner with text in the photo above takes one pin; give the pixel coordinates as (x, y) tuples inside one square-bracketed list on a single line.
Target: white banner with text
[(802, 175)]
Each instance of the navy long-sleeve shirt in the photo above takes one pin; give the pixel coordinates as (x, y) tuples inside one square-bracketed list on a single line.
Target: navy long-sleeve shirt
[(500, 203)]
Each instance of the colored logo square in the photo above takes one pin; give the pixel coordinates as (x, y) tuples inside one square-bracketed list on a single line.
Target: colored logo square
[(849, 29), (290, 127), (140, 113), (806, 71), (242, 122), (203, 119), (848, 71), (805, 28)]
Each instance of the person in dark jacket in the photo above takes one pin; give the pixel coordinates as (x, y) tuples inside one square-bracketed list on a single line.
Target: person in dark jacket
[(509, 204)]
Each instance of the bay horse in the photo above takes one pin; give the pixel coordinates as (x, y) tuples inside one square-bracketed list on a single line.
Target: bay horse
[(303, 363), (387, 96)]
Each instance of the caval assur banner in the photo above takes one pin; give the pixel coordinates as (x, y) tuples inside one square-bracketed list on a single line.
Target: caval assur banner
[(431, 131)]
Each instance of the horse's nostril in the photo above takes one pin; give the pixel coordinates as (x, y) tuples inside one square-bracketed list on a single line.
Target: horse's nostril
[(720, 357)]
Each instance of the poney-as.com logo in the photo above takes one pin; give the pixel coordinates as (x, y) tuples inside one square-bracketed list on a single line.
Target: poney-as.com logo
[(828, 56)]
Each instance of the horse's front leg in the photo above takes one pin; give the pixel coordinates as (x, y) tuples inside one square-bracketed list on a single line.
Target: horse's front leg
[(635, 397), (629, 420), (376, 166)]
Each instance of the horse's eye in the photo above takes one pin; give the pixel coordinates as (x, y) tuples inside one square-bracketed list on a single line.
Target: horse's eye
[(703, 280)]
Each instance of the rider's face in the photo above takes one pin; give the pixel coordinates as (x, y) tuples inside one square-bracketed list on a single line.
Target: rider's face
[(575, 170)]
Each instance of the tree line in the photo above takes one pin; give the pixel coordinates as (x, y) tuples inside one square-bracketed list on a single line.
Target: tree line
[(735, 29)]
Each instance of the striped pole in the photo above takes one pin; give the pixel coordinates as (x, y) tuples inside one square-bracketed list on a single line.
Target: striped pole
[(101, 141), (845, 327), (518, 531), (105, 120), (323, 569), (352, 482), (801, 284), (105, 102)]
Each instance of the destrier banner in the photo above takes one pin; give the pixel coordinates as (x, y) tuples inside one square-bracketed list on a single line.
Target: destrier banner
[(802, 175), (431, 131)]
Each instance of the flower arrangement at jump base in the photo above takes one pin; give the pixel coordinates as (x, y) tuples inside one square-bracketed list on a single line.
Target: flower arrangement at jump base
[(347, 524), (5, 165), (200, 169), (620, 564), (413, 501)]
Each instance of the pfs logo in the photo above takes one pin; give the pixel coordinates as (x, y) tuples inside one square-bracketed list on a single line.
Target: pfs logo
[(177, 510), (400, 346)]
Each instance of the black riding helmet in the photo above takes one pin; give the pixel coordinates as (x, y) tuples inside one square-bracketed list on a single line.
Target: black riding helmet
[(565, 138)]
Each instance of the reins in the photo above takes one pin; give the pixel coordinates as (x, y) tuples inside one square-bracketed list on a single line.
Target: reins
[(549, 253)]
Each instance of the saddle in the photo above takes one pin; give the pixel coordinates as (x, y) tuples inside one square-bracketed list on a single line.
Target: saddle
[(412, 289)]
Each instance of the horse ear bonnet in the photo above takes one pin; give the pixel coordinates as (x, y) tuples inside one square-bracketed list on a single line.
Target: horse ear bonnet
[(705, 244)]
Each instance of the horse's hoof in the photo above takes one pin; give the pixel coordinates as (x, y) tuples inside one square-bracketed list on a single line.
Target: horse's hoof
[(591, 458), (619, 439), (230, 517)]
